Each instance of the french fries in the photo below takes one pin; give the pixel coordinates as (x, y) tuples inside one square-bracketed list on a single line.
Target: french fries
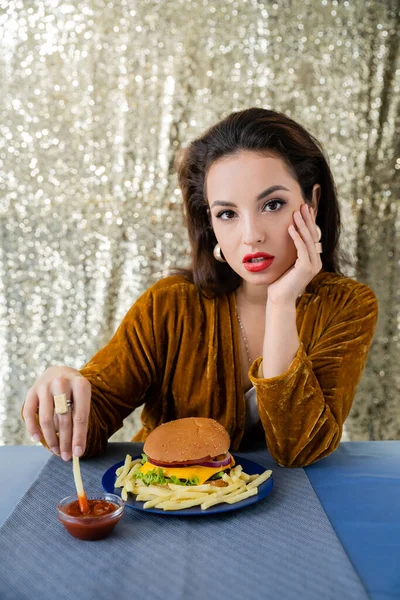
[(239, 486)]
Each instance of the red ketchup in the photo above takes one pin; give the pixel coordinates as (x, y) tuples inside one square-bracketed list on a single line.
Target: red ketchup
[(96, 524)]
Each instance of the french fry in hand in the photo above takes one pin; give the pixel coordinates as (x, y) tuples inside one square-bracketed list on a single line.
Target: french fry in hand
[(83, 503)]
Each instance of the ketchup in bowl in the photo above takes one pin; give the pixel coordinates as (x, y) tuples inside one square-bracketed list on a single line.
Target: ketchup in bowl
[(105, 510)]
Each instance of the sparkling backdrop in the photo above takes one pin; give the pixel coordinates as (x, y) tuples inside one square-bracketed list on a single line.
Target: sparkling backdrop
[(96, 100)]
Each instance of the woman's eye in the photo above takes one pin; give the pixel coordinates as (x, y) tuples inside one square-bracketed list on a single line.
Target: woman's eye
[(273, 205), (226, 215), (270, 206)]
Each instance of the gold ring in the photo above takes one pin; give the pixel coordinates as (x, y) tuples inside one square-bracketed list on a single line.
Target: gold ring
[(318, 247), (60, 404)]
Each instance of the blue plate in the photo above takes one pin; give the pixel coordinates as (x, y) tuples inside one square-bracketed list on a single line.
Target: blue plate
[(249, 467)]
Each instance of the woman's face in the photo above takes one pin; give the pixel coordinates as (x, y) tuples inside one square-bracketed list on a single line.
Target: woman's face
[(252, 199)]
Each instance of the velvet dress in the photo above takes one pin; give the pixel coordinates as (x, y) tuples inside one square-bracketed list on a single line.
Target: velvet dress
[(177, 352)]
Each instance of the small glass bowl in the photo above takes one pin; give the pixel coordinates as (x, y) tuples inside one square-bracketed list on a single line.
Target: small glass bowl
[(91, 527)]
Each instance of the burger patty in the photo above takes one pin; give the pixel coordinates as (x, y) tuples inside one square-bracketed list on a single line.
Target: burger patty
[(217, 482)]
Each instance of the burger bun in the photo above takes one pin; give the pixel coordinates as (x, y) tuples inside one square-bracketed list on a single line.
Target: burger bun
[(188, 439)]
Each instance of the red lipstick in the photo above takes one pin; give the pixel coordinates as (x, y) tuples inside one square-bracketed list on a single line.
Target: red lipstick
[(257, 262)]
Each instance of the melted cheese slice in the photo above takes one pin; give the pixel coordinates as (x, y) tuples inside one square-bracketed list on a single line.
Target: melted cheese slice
[(202, 473)]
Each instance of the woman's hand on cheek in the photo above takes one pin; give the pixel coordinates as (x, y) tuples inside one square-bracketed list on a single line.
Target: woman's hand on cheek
[(292, 283)]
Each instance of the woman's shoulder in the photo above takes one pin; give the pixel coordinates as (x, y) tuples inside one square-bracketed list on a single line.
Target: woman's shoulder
[(173, 289), (167, 296), (341, 288), (172, 284)]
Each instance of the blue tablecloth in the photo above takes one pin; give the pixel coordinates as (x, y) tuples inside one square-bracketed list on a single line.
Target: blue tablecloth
[(359, 489)]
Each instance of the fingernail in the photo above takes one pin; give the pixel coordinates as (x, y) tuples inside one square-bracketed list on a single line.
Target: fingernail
[(78, 451), (55, 450), (36, 437), (65, 456)]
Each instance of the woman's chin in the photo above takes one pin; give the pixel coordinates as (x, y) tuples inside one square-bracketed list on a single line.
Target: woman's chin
[(260, 278)]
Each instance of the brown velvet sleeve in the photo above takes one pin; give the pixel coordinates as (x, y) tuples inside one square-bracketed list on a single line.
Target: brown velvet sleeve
[(303, 410), (121, 373)]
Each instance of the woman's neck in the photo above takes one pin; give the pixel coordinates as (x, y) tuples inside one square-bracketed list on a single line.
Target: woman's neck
[(255, 295)]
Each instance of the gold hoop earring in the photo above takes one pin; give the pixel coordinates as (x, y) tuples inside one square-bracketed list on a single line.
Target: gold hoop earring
[(217, 252)]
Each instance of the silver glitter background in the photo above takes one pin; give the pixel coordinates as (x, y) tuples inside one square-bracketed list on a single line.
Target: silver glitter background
[(96, 99)]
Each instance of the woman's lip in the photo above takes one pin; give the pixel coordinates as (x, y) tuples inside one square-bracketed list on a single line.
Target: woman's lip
[(257, 255), (258, 266)]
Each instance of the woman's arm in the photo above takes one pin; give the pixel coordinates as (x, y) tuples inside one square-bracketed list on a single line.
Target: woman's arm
[(303, 409), (104, 392), (129, 370), (281, 340)]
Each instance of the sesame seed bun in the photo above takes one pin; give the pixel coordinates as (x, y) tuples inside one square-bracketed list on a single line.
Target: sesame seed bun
[(188, 439)]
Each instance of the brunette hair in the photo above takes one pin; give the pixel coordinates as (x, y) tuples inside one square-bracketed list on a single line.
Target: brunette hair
[(266, 132)]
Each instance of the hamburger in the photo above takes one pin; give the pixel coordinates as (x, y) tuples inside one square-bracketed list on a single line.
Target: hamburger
[(189, 451)]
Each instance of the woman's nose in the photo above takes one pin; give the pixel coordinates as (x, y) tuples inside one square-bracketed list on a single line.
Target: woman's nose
[(252, 232)]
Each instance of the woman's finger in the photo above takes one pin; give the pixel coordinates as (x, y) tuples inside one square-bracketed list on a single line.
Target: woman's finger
[(302, 250), (303, 221), (304, 224), (29, 413), (60, 386), (309, 219), (46, 414), (316, 235), (81, 393)]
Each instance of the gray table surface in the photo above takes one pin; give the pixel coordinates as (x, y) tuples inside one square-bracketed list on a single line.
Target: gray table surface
[(284, 547)]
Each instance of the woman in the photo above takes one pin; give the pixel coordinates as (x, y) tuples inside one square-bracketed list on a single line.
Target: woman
[(263, 334)]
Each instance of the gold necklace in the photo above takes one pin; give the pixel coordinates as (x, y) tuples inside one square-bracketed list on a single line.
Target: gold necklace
[(246, 345)]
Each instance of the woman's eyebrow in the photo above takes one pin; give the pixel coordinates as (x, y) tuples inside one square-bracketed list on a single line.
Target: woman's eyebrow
[(271, 190), (264, 194), (223, 203)]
